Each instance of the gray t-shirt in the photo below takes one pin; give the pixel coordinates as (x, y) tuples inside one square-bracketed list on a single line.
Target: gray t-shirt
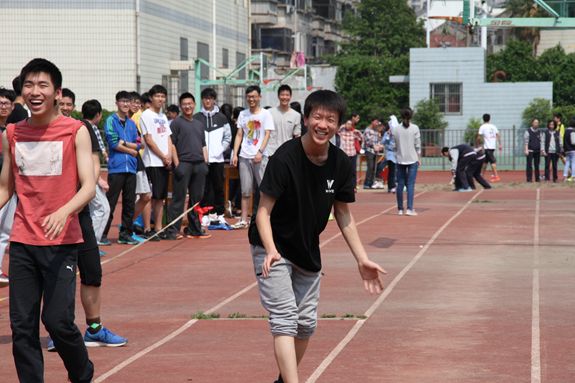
[(189, 139), (287, 125)]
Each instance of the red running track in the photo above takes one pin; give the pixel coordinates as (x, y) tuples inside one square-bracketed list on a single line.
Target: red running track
[(461, 308)]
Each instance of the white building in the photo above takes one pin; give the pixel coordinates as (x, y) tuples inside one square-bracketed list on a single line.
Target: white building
[(103, 46)]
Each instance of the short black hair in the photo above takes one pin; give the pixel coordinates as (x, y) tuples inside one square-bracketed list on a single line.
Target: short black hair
[(185, 95), (253, 88), (17, 86), (145, 98), (572, 123), (445, 150), (237, 111), (486, 117), (326, 99), (9, 94), (135, 96), (373, 119), (37, 66), (68, 93), (296, 106), (90, 109), (559, 116), (173, 109), (123, 95), (209, 93), (552, 122), (267, 107), (157, 89), (354, 114), (284, 87)]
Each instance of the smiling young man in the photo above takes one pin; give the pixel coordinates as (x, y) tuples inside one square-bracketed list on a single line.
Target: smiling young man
[(305, 178), (46, 157), (287, 122), (157, 153)]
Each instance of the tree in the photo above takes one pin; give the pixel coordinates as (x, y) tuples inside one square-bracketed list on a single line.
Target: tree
[(472, 130), (378, 47), (516, 60), (526, 9), (538, 108), (427, 115)]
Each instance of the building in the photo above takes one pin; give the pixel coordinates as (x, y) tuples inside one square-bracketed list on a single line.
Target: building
[(104, 46), (456, 77)]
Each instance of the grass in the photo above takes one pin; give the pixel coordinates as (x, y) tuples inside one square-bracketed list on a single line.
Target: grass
[(348, 316), (481, 201), (240, 316), (201, 315), (328, 316), (361, 316)]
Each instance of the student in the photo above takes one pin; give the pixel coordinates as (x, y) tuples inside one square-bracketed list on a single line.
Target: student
[(157, 153), (466, 164), (254, 127), (490, 134), (190, 168), (123, 143), (7, 98), (551, 149), (173, 112), (46, 232), (532, 139), (348, 140), (218, 139), (407, 148), (474, 171), (99, 206), (88, 253), (19, 113), (390, 159), (569, 150), (561, 128), (287, 122), (371, 140), (305, 178), (139, 105)]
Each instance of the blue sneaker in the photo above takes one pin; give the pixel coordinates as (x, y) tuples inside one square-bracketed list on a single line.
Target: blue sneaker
[(51, 346), (465, 190), (104, 338), (139, 239), (102, 253)]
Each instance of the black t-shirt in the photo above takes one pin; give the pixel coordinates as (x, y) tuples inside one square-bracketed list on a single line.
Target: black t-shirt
[(93, 138), (189, 139), (17, 115), (304, 194)]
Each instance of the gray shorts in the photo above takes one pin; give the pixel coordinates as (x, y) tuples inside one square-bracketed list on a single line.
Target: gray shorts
[(250, 171), (290, 294), (142, 183)]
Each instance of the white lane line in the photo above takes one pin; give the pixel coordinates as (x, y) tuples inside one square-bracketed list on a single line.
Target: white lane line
[(535, 318), (210, 311), (323, 366)]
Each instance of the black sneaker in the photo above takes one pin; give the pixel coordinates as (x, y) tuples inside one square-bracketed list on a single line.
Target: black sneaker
[(167, 236), (137, 229), (126, 239), (150, 234), (105, 242)]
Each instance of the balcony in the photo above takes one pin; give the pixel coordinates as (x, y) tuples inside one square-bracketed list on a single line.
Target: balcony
[(265, 12)]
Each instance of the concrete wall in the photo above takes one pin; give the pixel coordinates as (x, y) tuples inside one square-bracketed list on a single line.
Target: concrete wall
[(551, 37), (503, 101)]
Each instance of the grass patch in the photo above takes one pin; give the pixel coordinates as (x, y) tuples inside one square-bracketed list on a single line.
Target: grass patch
[(361, 316), (481, 201), (328, 315), (240, 316), (201, 315), (348, 316)]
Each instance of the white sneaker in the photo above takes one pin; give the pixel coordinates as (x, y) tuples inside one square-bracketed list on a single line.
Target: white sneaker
[(205, 221), (410, 212), (241, 225), (400, 212), (378, 185), (222, 219)]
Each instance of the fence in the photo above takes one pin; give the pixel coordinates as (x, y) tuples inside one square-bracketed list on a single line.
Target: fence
[(512, 157)]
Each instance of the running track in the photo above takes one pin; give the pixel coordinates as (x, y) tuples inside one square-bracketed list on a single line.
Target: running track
[(476, 292)]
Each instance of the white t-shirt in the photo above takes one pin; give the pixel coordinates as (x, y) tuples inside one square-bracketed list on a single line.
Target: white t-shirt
[(254, 127), (489, 133), (287, 125), (155, 124)]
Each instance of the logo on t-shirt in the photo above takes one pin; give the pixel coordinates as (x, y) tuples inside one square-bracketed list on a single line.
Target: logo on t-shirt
[(253, 132), (42, 158), (161, 125), (329, 186)]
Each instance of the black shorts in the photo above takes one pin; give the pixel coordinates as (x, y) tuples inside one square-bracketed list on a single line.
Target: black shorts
[(89, 253), (159, 177), (489, 156)]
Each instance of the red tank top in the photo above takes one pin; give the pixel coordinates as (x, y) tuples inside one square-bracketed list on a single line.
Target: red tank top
[(46, 178)]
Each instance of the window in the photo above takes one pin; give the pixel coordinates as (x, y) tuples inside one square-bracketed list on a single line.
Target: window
[(447, 96), (240, 58), (225, 59), (277, 38), (204, 53)]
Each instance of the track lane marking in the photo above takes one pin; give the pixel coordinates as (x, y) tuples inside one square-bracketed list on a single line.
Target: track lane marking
[(535, 317), (335, 352)]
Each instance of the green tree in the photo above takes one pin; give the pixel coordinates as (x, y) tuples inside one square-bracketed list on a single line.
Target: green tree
[(539, 108), (526, 9), (471, 130), (378, 47), (516, 60), (557, 66), (428, 117)]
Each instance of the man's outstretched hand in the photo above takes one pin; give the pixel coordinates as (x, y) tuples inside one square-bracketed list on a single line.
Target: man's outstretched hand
[(369, 271)]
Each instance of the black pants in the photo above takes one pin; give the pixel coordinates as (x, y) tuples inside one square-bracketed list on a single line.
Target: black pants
[(215, 182), (474, 171), (48, 272), (370, 172), (551, 159), (88, 252), (125, 183), (354, 169), (461, 181), (391, 175), (533, 157), (186, 177)]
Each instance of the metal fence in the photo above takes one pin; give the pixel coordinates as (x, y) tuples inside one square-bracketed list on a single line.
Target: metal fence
[(512, 156)]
